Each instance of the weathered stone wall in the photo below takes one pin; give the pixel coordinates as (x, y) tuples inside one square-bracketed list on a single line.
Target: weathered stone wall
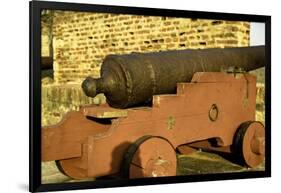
[(46, 33), (45, 51), (58, 100), (82, 40)]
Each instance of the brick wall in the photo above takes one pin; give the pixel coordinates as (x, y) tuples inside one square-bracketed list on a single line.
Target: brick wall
[(82, 40), (46, 33)]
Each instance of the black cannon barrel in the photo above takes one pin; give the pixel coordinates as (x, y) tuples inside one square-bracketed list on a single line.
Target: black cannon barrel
[(132, 79)]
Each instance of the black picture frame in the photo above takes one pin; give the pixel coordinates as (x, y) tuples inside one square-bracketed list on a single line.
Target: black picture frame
[(35, 8)]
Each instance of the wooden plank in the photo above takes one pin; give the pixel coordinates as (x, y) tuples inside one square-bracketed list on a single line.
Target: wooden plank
[(104, 112)]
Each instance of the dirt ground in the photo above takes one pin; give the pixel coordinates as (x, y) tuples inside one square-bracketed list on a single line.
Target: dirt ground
[(195, 163)]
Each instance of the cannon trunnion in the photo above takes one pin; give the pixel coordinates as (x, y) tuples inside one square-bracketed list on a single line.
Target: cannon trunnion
[(141, 141)]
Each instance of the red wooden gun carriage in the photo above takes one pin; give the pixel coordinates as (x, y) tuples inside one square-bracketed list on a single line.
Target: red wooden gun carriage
[(157, 102)]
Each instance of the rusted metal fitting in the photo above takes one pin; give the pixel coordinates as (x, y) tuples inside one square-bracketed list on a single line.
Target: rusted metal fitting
[(213, 112)]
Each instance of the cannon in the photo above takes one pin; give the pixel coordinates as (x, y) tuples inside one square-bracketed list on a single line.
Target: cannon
[(157, 102), (132, 79)]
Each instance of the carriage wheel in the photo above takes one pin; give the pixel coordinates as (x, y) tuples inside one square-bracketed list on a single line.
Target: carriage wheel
[(249, 143), (150, 156), (60, 168), (67, 168)]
